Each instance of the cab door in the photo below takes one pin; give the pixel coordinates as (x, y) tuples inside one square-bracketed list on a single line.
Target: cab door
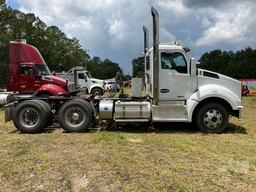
[(174, 88), (81, 79), (26, 80), (174, 78)]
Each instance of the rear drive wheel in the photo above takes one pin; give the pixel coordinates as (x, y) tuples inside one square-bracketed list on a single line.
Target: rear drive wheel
[(30, 117), (75, 116), (90, 107), (48, 110), (212, 118), (97, 91)]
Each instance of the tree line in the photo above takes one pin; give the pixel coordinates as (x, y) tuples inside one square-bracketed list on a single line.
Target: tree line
[(59, 51), (239, 64)]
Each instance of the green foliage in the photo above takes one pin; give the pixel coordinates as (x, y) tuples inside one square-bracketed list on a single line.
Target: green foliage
[(127, 77), (138, 67), (60, 52), (241, 64), (103, 69), (2, 4)]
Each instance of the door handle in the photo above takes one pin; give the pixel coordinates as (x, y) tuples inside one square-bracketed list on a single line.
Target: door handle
[(164, 90)]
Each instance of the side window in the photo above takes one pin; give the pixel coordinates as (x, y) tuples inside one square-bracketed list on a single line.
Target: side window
[(24, 70), (174, 61), (80, 76)]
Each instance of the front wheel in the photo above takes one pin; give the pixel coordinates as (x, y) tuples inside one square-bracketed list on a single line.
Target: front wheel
[(212, 118), (97, 91)]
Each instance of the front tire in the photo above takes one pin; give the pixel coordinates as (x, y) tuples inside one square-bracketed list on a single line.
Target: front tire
[(97, 91), (212, 118)]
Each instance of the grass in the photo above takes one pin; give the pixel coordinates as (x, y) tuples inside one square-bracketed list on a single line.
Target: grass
[(173, 157)]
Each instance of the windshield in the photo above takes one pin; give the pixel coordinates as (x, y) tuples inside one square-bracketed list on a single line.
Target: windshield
[(88, 75), (42, 69)]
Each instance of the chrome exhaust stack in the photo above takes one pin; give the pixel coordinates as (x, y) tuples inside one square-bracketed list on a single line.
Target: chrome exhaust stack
[(145, 30), (155, 56)]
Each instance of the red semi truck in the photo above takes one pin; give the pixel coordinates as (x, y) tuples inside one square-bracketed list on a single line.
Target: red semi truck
[(28, 73)]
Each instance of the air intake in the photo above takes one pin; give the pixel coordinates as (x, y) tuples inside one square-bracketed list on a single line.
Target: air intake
[(145, 29)]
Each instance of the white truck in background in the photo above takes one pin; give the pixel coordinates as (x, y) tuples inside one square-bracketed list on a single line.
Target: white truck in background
[(111, 85), (84, 80)]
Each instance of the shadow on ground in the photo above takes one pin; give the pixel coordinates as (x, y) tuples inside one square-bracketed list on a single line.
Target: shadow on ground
[(173, 128), (233, 128)]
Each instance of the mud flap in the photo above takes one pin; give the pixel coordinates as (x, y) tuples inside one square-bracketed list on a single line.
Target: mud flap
[(9, 110)]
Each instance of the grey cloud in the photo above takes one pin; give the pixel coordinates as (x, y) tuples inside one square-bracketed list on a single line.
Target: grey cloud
[(205, 3), (213, 3), (113, 28)]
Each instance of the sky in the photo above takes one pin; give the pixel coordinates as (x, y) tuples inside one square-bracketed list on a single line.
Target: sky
[(113, 28)]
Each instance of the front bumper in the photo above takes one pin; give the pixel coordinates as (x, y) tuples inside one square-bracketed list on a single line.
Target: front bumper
[(238, 112)]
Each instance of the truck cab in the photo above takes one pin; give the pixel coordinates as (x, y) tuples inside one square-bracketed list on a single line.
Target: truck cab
[(83, 80), (183, 90), (183, 93), (28, 73)]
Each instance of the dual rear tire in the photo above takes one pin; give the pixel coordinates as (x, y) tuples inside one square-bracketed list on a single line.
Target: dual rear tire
[(75, 115), (32, 116)]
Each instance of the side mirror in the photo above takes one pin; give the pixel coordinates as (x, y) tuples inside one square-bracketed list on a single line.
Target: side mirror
[(85, 78), (193, 69)]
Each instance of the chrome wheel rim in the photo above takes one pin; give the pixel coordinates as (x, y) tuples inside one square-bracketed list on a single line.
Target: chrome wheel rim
[(213, 119), (97, 93), (29, 117), (74, 117)]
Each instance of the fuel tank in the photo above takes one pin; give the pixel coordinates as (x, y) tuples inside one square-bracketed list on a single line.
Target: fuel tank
[(106, 109), (132, 111)]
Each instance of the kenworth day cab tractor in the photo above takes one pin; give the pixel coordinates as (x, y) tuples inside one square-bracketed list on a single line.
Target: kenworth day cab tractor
[(176, 92)]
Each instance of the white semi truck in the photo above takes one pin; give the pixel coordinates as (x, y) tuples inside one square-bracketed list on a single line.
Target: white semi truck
[(176, 92), (83, 80)]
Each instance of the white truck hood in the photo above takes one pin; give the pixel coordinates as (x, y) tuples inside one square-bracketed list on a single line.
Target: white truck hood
[(206, 77), (99, 81)]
